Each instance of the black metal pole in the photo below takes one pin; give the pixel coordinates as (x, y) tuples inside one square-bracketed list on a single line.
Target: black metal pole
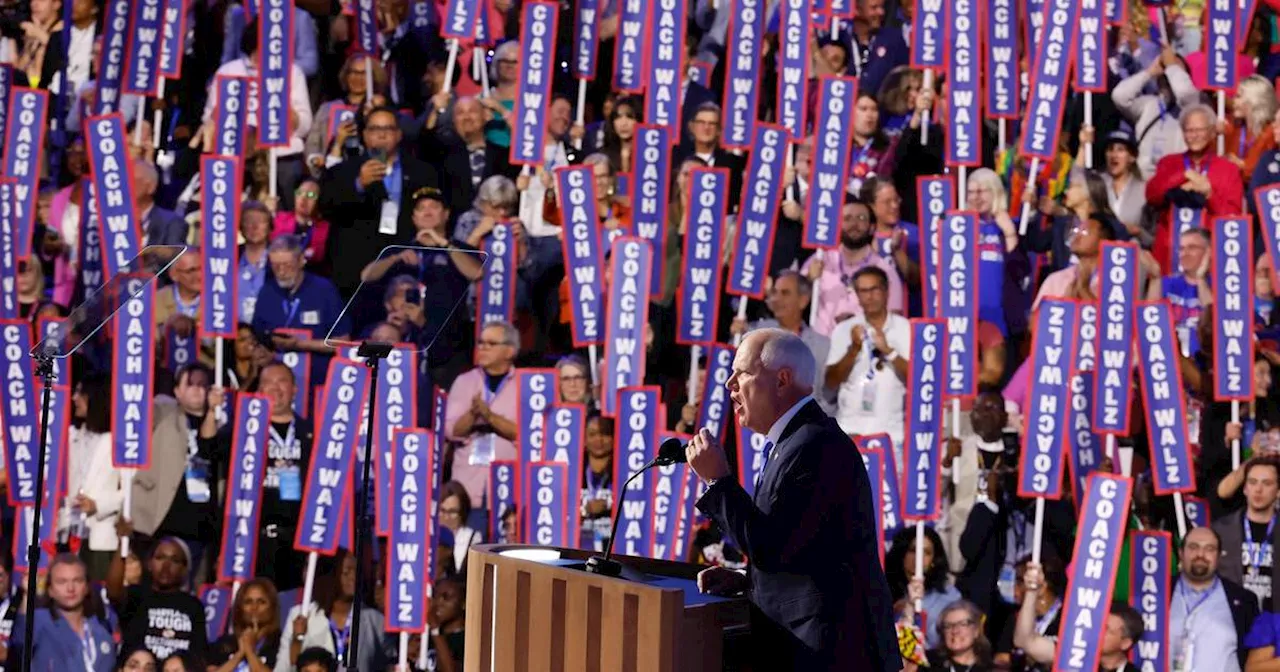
[(44, 369), (362, 518)]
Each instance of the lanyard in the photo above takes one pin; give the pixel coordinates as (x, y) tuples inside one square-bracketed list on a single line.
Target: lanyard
[(1186, 598), (490, 396), (1042, 623), (285, 443), (595, 487), (1204, 165), (290, 308), (188, 309), (88, 648), (1243, 141), (1255, 549), (340, 638)]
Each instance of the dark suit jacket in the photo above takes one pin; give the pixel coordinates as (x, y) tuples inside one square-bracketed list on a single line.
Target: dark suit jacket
[(1244, 611), (821, 598), (1230, 562), (451, 160), (721, 158), (354, 216), (165, 227)]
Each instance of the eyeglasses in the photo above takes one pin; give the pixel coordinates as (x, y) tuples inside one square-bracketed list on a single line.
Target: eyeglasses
[(957, 625), (572, 379), (507, 61), (491, 344), (307, 193), (382, 128), (450, 512), (869, 290)]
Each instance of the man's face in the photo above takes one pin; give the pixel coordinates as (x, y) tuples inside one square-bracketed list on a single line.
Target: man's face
[(382, 133), (286, 266), (753, 389), (192, 391), (143, 186), (866, 116), (559, 117), (305, 198), (872, 11), (855, 226), (186, 273), (705, 127), (429, 215), (873, 294), (1114, 639), (468, 117), (168, 566), (835, 57), (1198, 131), (493, 348), (1261, 487), (277, 383), (888, 205), (989, 416), (1199, 555), (1192, 249), (785, 299), (255, 226), (68, 586)]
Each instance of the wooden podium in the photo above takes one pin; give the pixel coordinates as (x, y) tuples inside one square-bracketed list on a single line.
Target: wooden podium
[(548, 615)]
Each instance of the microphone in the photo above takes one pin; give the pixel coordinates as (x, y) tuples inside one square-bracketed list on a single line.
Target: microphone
[(670, 452)]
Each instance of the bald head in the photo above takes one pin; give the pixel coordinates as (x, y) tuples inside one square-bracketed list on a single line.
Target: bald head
[(772, 371)]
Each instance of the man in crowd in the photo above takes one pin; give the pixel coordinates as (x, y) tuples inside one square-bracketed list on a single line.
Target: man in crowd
[(159, 614), (1209, 615), (71, 631), (704, 133), (178, 305), (256, 224), (789, 298), (832, 270), (1249, 537), (1188, 290), (160, 226), (293, 298), (481, 412), (462, 156)]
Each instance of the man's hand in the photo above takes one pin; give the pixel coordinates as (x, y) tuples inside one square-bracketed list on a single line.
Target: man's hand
[(215, 397), (1196, 182), (429, 238), (721, 581), (479, 408), (181, 325), (879, 342), (286, 342), (857, 334), (86, 505), (793, 210), (372, 171), (300, 626), (706, 456), (953, 451)]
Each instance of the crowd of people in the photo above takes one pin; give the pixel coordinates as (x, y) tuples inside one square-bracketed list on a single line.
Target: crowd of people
[(406, 147)]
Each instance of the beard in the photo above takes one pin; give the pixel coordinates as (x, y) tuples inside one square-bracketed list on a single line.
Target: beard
[(1199, 570), (856, 242)]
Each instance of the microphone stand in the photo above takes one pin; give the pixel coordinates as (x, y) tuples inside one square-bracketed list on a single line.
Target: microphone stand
[(373, 352), (604, 565), (44, 369)]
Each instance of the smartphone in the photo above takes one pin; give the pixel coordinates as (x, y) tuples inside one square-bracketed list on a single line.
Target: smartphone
[(379, 155)]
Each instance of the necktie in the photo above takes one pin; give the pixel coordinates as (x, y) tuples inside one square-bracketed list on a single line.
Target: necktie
[(768, 454)]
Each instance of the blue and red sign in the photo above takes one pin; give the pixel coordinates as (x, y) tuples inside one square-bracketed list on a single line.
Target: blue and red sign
[(1084, 447), (926, 372), (142, 72), (964, 92), (24, 158), (329, 482), (1090, 67), (568, 430), (1220, 44), (761, 199), (891, 495), (231, 115), (1052, 351), (1149, 593), (751, 456), (585, 39), (1001, 63), (496, 295), (503, 484), (638, 426), (1162, 397), (366, 28), (629, 47), (1232, 309), (111, 57), (533, 90), (111, 170), (249, 442), (8, 254), (1267, 202), (873, 461), (299, 364), (1116, 301), (460, 19), (6, 94), (624, 348), (958, 300), (715, 409), (929, 46), (1043, 120), (742, 74), (794, 32), (133, 381), (179, 350), (20, 412), (830, 161), (668, 491), (547, 509), (537, 390), (220, 209), (650, 193), (275, 73), (173, 40), (665, 68), (408, 548), (395, 407), (701, 279), (935, 196), (583, 253)]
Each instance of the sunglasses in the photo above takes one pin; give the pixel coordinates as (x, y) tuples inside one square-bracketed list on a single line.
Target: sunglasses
[(307, 193)]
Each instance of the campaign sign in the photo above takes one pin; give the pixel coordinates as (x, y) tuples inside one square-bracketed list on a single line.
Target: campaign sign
[(794, 33), (299, 364), (339, 115), (57, 437), (220, 210), (1267, 205), (624, 349), (1087, 602), (8, 254), (751, 456), (1001, 63), (715, 409), (366, 28), (1197, 510), (24, 158), (547, 509), (964, 93), (496, 295), (935, 196), (173, 39), (142, 71), (537, 390), (503, 482), (585, 39), (20, 413), (1232, 309), (1084, 446), (742, 74), (958, 300), (926, 372), (1245, 19), (685, 517), (440, 401), (665, 67), (24, 521), (111, 56), (179, 350), (407, 552), (1086, 355), (1116, 296), (830, 161), (111, 170), (700, 279), (668, 489), (329, 479), (1184, 220), (275, 74), (1162, 397), (1149, 594), (231, 115), (651, 192), (133, 381), (929, 48), (243, 510), (873, 461), (891, 500), (533, 90), (700, 72), (6, 94), (583, 252), (1090, 67), (460, 19), (217, 608), (638, 426), (629, 47), (396, 405), (1052, 348), (1220, 44), (1043, 120), (90, 254), (761, 200), (568, 431)]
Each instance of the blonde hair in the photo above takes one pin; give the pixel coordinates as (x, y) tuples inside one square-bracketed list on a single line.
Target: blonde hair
[(987, 178), (1261, 98)]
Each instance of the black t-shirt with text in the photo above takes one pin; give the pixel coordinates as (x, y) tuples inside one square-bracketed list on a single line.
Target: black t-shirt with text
[(163, 623), (1256, 559)]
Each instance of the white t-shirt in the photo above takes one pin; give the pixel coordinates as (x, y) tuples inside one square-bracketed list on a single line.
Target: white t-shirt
[(872, 401)]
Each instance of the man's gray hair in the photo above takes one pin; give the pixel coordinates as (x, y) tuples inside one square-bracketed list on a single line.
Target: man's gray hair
[(286, 244), (1194, 109), (498, 191), (803, 286), (782, 349), (510, 335)]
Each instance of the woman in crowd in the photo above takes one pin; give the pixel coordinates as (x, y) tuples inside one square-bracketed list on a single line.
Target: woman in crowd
[(575, 380), (597, 484), (137, 660), (1249, 134), (933, 592), (182, 661), (305, 222), (895, 239), (1258, 431), (1126, 188), (32, 300), (898, 99), (619, 133), (328, 146), (963, 647), (504, 74), (447, 621), (1154, 116), (326, 622), (254, 641), (1085, 198), (997, 241), (496, 200), (455, 508), (93, 486)]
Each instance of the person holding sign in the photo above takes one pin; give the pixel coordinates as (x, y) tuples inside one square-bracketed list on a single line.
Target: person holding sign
[(832, 271), (819, 595), (1249, 536), (1205, 607)]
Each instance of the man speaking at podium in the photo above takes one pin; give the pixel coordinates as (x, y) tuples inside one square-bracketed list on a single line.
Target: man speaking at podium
[(819, 594)]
